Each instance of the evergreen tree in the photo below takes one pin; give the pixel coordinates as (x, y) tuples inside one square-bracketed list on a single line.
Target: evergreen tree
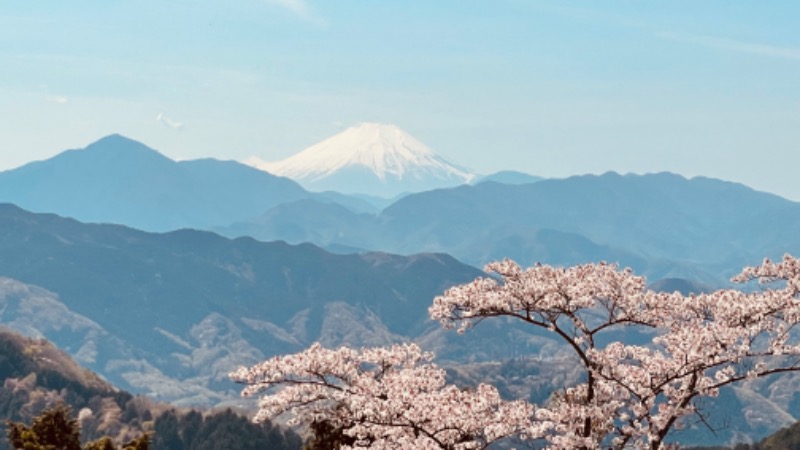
[(104, 443), (140, 443), (166, 432), (327, 437), (223, 430), (53, 429)]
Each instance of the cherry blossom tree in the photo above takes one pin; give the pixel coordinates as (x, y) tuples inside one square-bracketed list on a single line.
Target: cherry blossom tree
[(632, 396), (385, 398)]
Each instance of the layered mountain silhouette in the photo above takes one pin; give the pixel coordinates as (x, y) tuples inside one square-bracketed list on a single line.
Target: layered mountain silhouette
[(508, 177), (170, 314), (151, 311), (663, 225), (118, 180)]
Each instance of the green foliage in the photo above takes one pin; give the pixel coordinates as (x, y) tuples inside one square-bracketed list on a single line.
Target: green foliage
[(53, 429), (114, 416), (38, 375), (140, 443), (221, 431), (327, 437), (104, 443), (166, 433)]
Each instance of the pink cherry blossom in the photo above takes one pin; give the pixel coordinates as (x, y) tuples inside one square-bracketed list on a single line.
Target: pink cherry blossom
[(633, 395), (388, 398)]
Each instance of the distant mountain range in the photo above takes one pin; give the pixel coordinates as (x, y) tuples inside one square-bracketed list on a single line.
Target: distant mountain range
[(370, 158), (507, 177), (662, 225), (118, 180), (170, 314)]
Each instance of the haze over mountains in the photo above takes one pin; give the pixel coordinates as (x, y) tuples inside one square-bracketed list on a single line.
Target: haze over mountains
[(119, 180), (169, 314), (662, 225)]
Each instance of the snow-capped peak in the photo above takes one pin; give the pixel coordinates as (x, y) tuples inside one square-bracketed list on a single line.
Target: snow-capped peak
[(388, 153)]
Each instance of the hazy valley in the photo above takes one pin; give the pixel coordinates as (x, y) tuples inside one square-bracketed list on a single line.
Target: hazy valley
[(170, 311)]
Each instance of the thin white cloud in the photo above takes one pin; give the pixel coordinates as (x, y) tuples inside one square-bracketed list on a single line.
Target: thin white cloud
[(299, 7), (772, 51), (58, 99), (754, 48), (168, 122)]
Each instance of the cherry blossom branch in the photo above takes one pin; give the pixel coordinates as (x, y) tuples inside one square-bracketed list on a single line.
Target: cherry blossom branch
[(632, 396)]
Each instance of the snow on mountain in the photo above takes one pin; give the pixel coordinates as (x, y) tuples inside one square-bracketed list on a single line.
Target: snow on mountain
[(369, 158)]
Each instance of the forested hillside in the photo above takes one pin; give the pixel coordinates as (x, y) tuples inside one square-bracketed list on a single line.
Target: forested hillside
[(38, 376)]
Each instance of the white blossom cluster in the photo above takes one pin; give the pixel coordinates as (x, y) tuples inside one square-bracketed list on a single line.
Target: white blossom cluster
[(633, 396), (386, 398)]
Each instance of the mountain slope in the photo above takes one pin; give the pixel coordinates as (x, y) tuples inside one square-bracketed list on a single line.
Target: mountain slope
[(701, 220), (370, 158), (119, 180), (662, 225), (309, 221), (508, 177), (171, 314), (37, 375)]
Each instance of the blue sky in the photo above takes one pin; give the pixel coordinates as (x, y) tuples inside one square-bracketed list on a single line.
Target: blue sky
[(553, 88)]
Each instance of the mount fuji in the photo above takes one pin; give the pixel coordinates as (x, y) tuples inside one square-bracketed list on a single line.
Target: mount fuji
[(374, 159)]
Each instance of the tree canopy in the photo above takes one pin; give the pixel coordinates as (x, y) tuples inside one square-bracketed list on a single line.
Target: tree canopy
[(631, 396), (53, 429)]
